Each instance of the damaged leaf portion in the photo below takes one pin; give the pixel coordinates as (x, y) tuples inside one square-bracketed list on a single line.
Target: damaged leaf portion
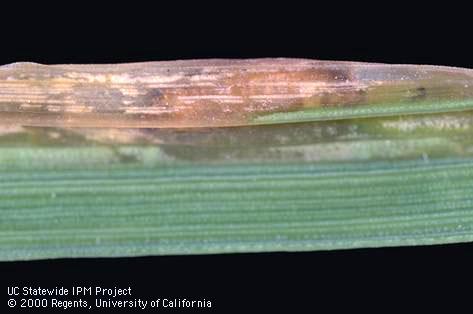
[(219, 93)]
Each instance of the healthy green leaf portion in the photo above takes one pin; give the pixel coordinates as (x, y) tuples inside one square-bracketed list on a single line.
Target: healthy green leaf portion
[(192, 209)]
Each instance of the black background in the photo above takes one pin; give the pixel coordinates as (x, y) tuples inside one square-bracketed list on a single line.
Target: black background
[(380, 278)]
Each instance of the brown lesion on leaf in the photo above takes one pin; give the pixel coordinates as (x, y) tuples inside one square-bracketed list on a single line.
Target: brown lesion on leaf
[(151, 98), (419, 93), (99, 96), (235, 96)]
